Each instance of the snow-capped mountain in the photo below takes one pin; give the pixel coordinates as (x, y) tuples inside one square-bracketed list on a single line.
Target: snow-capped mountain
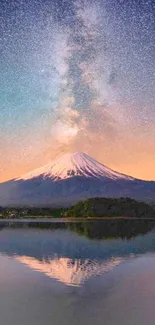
[(74, 164), (69, 179)]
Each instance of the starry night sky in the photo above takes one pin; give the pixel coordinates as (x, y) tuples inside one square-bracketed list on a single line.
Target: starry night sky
[(77, 76)]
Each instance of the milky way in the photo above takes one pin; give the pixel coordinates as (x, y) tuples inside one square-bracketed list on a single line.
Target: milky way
[(77, 76)]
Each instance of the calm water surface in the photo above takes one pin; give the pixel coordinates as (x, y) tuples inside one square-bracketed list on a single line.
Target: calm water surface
[(77, 273)]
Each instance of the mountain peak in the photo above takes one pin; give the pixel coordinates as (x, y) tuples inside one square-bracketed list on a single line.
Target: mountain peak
[(69, 179), (74, 164)]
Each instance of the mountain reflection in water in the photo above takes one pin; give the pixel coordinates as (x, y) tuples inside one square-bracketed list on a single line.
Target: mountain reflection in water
[(69, 271), (64, 251)]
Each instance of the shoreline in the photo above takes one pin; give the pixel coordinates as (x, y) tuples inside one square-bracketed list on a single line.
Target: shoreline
[(67, 220)]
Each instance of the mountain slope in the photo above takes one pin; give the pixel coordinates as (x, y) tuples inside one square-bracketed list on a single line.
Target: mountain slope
[(74, 164), (69, 179)]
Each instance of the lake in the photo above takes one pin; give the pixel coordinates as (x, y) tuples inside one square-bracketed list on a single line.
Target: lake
[(79, 273)]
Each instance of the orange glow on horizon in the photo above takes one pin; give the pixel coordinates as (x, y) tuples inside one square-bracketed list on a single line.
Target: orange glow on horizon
[(130, 158)]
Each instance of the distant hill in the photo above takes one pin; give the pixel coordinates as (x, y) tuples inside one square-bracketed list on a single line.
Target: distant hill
[(110, 207)]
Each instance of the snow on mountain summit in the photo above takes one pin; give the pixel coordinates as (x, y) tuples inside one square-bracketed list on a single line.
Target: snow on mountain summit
[(74, 164)]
